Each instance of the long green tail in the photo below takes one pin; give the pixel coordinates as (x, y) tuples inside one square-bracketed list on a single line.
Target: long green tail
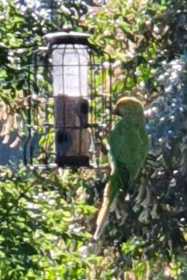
[(109, 198)]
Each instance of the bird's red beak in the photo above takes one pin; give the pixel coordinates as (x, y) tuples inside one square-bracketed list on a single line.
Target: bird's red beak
[(115, 111)]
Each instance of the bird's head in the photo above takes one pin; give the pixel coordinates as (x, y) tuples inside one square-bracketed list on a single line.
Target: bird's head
[(129, 107)]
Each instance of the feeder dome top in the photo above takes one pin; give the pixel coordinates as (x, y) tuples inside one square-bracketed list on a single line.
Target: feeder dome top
[(67, 38)]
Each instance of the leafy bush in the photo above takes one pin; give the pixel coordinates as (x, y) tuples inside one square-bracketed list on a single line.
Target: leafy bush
[(48, 217)]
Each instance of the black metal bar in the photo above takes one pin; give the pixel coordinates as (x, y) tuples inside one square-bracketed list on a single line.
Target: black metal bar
[(46, 72), (80, 94), (110, 95), (26, 148)]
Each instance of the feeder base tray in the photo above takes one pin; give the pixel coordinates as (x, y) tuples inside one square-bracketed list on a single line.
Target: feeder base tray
[(72, 161)]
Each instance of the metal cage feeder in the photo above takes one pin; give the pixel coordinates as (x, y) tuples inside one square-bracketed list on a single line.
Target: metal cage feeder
[(70, 102)]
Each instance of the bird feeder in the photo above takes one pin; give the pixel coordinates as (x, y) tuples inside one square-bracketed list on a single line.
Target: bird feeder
[(70, 62), (80, 81)]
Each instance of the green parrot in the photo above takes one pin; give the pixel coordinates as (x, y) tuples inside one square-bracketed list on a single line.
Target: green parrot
[(128, 148)]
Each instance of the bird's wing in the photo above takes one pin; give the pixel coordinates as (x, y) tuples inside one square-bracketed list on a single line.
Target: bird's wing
[(127, 148)]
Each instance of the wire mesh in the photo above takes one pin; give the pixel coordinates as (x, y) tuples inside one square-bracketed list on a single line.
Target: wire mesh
[(49, 124)]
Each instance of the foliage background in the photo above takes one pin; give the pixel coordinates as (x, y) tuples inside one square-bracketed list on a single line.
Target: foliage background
[(47, 217)]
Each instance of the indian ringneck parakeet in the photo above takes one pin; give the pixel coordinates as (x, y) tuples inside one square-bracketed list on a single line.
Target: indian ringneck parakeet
[(128, 148)]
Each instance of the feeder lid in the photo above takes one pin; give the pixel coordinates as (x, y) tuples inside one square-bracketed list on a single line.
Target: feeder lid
[(67, 38)]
